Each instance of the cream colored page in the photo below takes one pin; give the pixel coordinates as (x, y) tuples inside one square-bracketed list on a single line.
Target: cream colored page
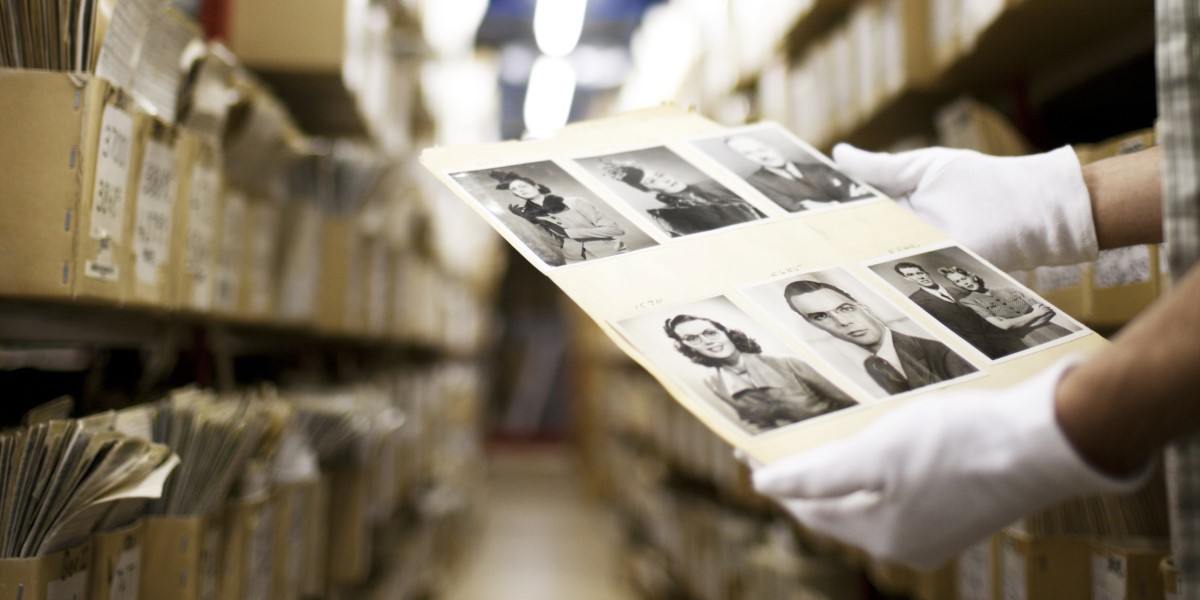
[(736, 273)]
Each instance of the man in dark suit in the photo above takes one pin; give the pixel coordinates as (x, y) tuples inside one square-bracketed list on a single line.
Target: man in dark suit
[(897, 362), (945, 307), (794, 187)]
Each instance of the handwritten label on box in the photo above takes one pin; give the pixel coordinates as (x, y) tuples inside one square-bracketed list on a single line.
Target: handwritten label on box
[(112, 170), (155, 201)]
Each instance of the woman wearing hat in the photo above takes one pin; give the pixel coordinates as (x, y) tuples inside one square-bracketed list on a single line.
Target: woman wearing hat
[(687, 207), (573, 224)]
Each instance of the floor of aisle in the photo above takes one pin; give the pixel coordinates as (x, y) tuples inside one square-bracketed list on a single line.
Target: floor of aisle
[(542, 537)]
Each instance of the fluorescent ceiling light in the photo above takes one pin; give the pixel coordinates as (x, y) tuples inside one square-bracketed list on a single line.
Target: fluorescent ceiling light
[(557, 25), (549, 96)]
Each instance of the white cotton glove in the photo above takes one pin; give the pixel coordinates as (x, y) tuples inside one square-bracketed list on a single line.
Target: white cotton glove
[(927, 480), (1017, 212)]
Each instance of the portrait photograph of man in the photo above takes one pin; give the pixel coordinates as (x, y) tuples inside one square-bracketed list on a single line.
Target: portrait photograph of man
[(976, 302), (751, 378), (557, 218), (858, 333), (790, 175), (677, 197)]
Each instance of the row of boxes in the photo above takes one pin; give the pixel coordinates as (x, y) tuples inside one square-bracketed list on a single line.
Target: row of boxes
[(268, 548), (107, 204), (301, 536), (635, 437), (882, 49)]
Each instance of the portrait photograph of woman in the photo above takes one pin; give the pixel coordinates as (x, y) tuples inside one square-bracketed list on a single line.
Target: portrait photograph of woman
[(728, 359), (676, 196), (557, 218)]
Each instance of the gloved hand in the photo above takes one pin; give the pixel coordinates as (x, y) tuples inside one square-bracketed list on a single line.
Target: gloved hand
[(927, 480), (1017, 212)]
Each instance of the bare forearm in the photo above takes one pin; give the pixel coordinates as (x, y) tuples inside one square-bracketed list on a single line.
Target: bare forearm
[(1121, 406), (1126, 194)]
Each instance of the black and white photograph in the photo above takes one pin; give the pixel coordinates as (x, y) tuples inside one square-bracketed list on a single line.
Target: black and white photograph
[(558, 218), (796, 178), (679, 198), (976, 302), (869, 340), (729, 359)]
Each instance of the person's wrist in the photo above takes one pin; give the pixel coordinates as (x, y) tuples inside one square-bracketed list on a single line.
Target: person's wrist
[(1076, 242), (1091, 430)]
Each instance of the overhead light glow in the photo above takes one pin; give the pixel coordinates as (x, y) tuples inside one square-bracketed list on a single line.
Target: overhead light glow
[(449, 26), (557, 25), (549, 95)]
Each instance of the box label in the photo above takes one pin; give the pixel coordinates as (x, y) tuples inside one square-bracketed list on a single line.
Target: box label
[(112, 170), (126, 575), (377, 299), (210, 552), (156, 198), (1012, 572), (1123, 266), (97, 269), (229, 255), (198, 247), (262, 256), (69, 588), (974, 572), (1049, 279), (258, 556)]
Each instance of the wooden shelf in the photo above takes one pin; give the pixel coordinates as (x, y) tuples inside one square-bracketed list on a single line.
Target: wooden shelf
[(1037, 45), (1039, 36), (819, 20), (78, 323)]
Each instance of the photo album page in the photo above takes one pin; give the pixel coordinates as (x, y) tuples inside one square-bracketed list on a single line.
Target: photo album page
[(779, 300)]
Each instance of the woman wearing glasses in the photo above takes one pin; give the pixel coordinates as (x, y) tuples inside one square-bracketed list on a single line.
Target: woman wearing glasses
[(765, 391)]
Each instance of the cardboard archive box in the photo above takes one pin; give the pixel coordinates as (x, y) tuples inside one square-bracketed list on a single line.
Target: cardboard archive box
[(1171, 585), (977, 571), (1066, 287), (350, 530), (938, 584), (1123, 282), (1044, 568), (336, 253), (292, 535), (154, 198), (195, 224), (59, 575), (358, 274), (230, 252), (106, 207), (181, 558), (313, 576), (300, 272), (258, 293), (59, 131), (116, 569), (1128, 569), (248, 558), (379, 287)]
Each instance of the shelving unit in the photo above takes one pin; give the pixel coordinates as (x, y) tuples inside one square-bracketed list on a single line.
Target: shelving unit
[(1029, 61), (304, 275)]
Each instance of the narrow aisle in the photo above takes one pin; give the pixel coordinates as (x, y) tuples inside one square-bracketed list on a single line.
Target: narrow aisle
[(542, 536)]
